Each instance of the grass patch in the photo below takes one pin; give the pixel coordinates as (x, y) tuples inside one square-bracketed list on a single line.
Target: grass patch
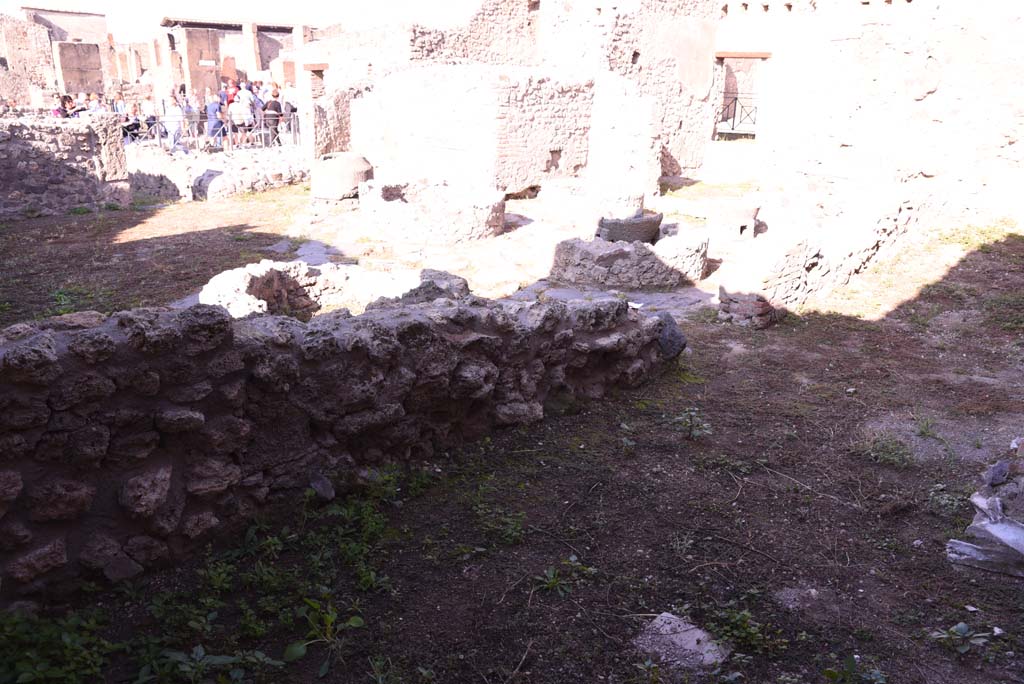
[(79, 211), (886, 449), (1006, 311)]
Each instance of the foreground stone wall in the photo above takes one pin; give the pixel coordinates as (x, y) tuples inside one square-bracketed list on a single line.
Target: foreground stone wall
[(50, 165), (125, 441)]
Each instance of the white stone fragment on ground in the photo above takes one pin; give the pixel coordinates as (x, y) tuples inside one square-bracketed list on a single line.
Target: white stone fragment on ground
[(676, 642), (996, 533)]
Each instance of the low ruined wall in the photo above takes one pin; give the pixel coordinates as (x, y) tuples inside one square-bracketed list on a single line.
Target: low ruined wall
[(51, 165), (155, 173), (124, 441)]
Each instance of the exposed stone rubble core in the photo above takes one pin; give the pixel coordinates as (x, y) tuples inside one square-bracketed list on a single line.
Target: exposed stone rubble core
[(294, 288), (50, 165), (671, 262), (159, 174), (746, 308), (128, 439)]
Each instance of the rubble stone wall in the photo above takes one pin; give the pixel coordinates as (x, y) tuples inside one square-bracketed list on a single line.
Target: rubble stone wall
[(26, 47), (545, 131), (502, 32), (50, 165), (125, 441)]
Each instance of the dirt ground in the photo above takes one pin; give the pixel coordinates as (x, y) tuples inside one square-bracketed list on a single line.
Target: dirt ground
[(138, 256), (791, 490)]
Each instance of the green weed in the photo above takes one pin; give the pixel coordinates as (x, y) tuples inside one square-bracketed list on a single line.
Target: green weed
[(886, 449)]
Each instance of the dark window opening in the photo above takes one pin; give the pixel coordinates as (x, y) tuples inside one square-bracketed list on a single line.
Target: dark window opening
[(636, 57), (3, 64)]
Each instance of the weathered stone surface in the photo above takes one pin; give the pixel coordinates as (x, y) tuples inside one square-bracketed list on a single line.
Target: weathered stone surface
[(198, 524), (143, 494), (747, 309), (147, 550), (626, 265), (82, 163), (10, 486), (85, 387), (179, 420), (32, 359), (14, 534), (103, 552), (60, 500), (337, 176), (678, 643), (643, 228), (441, 213), (211, 476), (36, 562)]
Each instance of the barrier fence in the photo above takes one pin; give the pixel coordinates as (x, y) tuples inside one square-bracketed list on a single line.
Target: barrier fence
[(737, 115), (193, 133)]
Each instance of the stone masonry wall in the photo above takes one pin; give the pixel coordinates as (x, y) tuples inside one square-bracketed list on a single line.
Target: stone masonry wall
[(126, 441), (502, 32), (545, 130), (26, 47), (50, 165)]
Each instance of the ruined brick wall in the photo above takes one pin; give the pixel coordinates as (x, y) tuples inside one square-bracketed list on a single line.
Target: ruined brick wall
[(128, 440), (49, 165), (26, 47), (544, 132), (502, 32), (511, 127)]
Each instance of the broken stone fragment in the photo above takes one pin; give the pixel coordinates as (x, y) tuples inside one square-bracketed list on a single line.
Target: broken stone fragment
[(678, 643), (10, 486), (143, 494), (60, 500), (323, 487), (38, 561)]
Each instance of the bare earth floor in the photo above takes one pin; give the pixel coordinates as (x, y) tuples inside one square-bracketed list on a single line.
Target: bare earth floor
[(808, 526)]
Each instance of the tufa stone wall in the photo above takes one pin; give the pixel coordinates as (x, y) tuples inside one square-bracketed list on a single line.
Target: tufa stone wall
[(125, 441), (49, 165)]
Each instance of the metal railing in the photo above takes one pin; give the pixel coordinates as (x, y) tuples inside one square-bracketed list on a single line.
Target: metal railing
[(737, 115), (194, 134)]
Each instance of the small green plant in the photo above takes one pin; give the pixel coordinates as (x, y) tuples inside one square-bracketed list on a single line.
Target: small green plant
[(961, 638), (219, 575), (650, 673), (926, 428), (886, 449), (739, 628), (853, 671), (552, 580), (68, 650), (79, 211), (692, 423), (324, 628), (112, 206), (32, 212), (499, 523), (382, 671)]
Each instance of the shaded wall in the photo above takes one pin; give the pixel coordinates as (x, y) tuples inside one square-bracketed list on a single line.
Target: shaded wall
[(130, 440)]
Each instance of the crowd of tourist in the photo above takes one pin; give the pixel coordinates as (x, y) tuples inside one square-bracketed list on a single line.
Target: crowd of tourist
[(241, 113)]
